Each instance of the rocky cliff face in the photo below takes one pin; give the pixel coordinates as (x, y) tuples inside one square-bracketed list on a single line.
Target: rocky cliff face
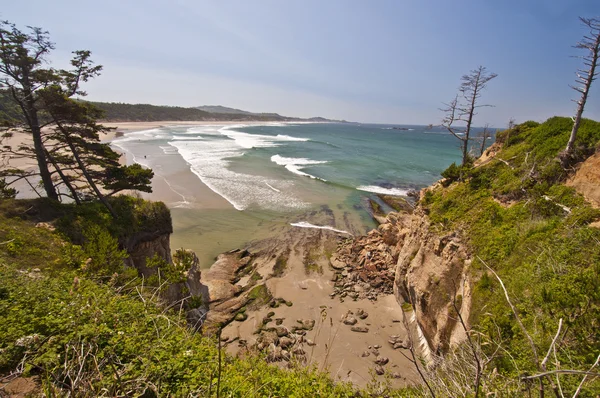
[(190, 292), (428, 274), (140, 249), (432, 275)]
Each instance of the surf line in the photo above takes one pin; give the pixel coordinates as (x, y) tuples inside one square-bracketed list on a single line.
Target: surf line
[(304, 224)]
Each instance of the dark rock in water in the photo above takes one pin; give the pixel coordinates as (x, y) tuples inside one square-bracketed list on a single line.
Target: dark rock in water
[(379, 370), (360, 329), (365, 354), (350, 321)]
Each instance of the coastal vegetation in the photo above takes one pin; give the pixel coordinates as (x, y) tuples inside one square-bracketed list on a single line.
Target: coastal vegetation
[(82, 324), (62, 133), (533, 235), (78, 319)]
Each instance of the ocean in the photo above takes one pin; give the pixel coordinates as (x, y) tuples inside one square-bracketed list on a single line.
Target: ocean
[(264, 175)]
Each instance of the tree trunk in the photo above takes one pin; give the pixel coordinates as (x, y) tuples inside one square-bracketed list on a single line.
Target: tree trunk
[(28, 106), (470, 120), (64, 178), (87, 175), (587, 82)]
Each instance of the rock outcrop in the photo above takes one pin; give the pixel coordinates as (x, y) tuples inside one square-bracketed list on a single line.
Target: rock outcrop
[(586, 179), (427, 273), (366, 266), (432, 275)]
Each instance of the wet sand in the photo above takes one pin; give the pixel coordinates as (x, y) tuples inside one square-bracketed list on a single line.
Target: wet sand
[(347, 355)]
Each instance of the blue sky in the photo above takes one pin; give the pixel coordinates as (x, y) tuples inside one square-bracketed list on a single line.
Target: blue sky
[(391, 61)]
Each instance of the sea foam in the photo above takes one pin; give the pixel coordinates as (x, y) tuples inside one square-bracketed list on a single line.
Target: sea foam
[(304, 224), (248, 141), (296, 164), (208, 160), (181, 137), (382, 190)]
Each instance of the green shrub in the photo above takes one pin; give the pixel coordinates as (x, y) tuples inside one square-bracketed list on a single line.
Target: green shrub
[(456, 173), (103, 251)]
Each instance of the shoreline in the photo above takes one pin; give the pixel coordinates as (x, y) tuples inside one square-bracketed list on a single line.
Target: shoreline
[(298, 308), (176, 189)]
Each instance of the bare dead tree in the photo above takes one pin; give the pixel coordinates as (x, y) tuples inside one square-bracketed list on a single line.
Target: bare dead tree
[(463, 108), (590, 43)]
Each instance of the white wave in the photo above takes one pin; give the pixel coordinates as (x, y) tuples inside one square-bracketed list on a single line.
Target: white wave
[(290, 138), (246, 140), (282, 161), (209, 161), (168, 150), (204, 130), (295, 165), (382, 190), (144, 135), (304, 224), (179, 137)]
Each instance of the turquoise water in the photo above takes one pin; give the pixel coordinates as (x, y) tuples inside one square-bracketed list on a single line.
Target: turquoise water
[(279, 173)]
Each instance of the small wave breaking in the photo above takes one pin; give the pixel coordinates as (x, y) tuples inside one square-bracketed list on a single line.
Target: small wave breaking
[(182, 137), (382, 190), (248, 141), (304, 224), (295, 165)]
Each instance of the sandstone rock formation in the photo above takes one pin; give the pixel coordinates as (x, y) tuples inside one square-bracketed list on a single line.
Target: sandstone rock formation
[(427, 273)]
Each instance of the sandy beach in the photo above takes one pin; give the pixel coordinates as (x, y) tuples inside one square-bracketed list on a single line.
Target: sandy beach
[(208, 224), (199, 194)]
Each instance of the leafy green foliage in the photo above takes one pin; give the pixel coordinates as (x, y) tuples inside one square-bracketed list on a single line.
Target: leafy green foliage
[(135, 217), (105, 257), (58, 321), (49, 321), (6, 192), (534, 231), (456, 173)]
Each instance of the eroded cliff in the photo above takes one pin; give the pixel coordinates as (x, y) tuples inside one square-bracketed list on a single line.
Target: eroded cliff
[(428, 274)]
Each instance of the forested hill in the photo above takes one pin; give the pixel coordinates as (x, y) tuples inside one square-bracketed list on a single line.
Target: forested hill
[(121, 112)]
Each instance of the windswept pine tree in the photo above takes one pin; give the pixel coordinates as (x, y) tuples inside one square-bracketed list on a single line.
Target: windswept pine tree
[(71, 160)]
